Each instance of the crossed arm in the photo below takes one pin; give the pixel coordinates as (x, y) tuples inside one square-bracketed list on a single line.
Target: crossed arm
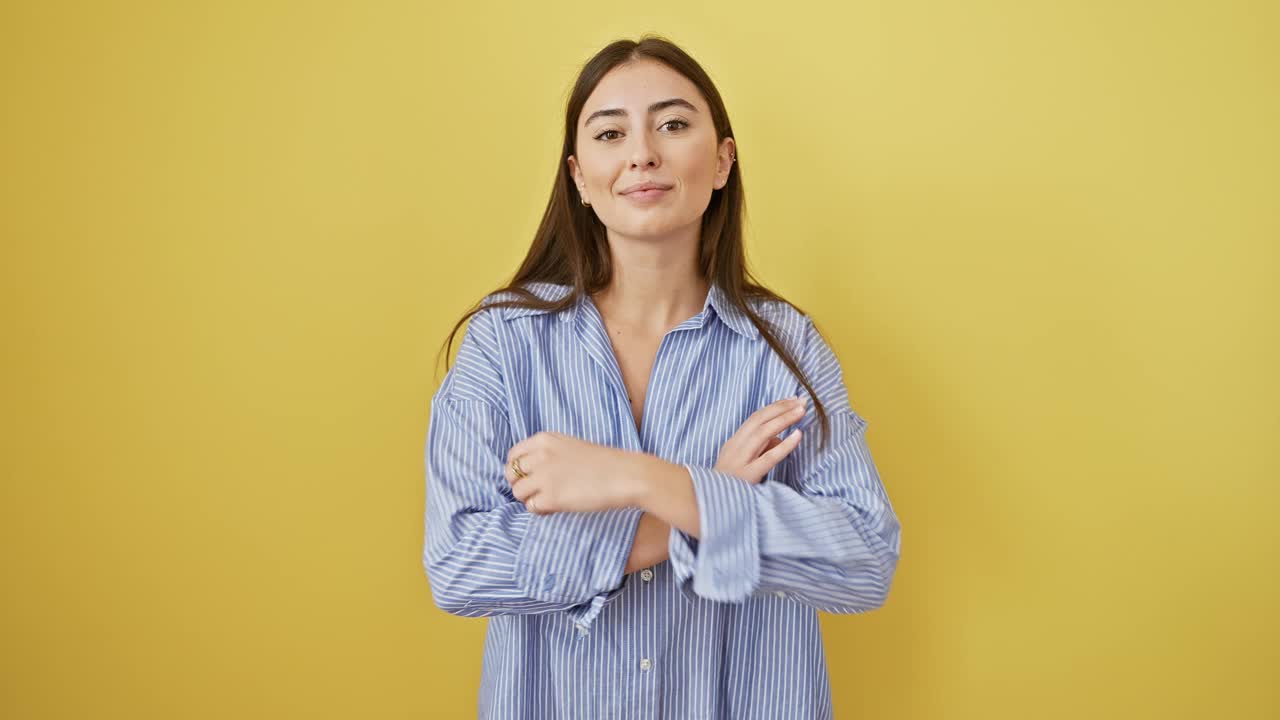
[(821, 532), (650, 544), (578, 476)]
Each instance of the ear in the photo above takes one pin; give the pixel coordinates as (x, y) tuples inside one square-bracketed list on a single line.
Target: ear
[(725, 158), (576, 173)]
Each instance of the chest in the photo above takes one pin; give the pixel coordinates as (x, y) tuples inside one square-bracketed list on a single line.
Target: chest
[(680, 395), (635, 354)]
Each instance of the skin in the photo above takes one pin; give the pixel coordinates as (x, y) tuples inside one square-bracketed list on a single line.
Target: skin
[(655, 286)]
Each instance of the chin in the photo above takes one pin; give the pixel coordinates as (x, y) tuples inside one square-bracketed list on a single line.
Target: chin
[(650, 230), (657, 224)]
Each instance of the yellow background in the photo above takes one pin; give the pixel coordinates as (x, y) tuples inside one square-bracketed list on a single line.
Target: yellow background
[(1042, 237)]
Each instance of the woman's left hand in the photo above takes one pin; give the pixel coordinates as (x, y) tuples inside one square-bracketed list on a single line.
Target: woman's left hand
[(563, 473)]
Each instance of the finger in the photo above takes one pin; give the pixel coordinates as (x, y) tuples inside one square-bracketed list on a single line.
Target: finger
[(776, 425), (761, 426), (529, 462), (773, 409), (765, 462), (520, 448), (510, 472), (527, 445), (538, 504), (768, 411), (524, 488)]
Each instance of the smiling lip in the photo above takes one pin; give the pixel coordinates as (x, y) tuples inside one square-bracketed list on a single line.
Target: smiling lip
[(653, 192), (646, 197), (646, 193), (645, 187)]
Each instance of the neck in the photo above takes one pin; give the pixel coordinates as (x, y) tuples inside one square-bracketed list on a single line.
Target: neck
[(656, 284)]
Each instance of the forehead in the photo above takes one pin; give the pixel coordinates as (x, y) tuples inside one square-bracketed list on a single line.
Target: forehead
[(633, 86)]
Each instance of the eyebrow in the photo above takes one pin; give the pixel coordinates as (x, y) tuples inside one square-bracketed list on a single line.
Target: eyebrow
[(661, 104)]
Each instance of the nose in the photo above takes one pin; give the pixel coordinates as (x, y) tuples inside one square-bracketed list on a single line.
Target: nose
[(643, 154)]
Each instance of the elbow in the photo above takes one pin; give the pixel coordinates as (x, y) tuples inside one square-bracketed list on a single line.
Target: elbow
[(869, 589), (883, 581), (870, 584), (445, 592), (452, 606), (447, 601), (860, 599)]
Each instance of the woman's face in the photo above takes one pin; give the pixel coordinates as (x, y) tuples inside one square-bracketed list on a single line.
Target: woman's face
[(645, 122)]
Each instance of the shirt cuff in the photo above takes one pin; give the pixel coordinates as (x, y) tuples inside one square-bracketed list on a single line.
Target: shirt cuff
[(724, 562), (586, 613), (574, 557), (682, 550)]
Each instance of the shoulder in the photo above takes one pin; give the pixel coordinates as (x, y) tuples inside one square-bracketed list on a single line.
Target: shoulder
[(815, 356), (813, 353), (791, 326), (541, 290), (479, 368), (488, 352)]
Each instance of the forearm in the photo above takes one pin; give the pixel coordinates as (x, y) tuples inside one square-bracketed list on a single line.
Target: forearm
[(650, 545), (665, 490), (834, 553), (506, 561)]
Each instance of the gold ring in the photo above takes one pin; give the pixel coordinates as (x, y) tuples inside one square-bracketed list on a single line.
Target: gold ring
[(515, 467)]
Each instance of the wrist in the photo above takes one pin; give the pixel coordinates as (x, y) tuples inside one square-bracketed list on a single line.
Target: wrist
[(662, 481), (650, 545), (642, 477)]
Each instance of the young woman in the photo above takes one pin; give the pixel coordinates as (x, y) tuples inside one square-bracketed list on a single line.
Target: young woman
[(610, 478)]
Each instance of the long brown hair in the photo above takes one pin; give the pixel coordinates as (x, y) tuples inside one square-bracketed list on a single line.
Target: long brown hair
[(571, 245)]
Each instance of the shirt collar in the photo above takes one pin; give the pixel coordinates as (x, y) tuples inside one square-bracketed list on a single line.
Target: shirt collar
[(717, 303), (729, 313), (544, 291)]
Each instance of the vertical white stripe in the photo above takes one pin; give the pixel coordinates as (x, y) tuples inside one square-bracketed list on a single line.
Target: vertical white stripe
[(820, 530)]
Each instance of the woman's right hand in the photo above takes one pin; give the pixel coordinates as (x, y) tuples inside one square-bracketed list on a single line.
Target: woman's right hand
[(754, 449)]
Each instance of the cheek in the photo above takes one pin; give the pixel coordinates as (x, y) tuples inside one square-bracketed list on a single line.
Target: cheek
[(700, 173), (699, 181), (590, 167)]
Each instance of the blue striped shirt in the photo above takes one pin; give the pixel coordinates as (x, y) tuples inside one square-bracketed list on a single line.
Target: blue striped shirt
[(727, 627)]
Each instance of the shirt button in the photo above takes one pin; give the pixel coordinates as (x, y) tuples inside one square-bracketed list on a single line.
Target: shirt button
[(582, 629), (646, 574), (645, 664), (780, 593)]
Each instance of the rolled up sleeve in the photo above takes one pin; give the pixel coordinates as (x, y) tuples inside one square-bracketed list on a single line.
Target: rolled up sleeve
[(819, 530), (483, 552)]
